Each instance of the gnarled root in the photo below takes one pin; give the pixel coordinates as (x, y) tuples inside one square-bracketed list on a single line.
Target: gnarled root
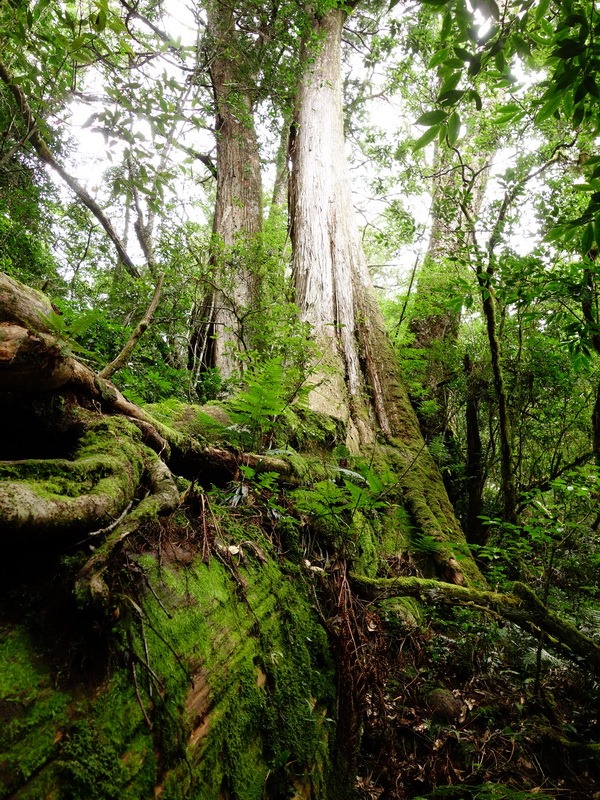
[(59, 496), (90, 585)]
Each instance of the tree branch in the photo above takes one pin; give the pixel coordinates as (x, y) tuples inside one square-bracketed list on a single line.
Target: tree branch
[(44, 154), (140, 328), (522, 607)]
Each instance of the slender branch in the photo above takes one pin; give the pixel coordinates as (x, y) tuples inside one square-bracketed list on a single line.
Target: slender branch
[(45, 155), (120, 361), (162, 35)]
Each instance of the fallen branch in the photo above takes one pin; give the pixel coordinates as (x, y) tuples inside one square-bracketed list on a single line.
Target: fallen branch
[(522, 607)]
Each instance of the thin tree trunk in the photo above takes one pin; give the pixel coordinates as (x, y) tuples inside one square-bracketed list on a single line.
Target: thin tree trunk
[(280, 187), (589, 307), (509, 486), (475, 532), (445, 262)]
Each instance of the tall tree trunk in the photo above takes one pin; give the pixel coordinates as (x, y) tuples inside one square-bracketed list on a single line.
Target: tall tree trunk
[(333, 287), (220, 329), (358, 378)]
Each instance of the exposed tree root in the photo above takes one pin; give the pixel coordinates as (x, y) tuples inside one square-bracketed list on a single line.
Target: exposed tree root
[(522, 607), (163, 498), (40, 497)]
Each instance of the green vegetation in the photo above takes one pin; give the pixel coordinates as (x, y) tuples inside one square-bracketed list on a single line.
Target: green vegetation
[(237, 564)]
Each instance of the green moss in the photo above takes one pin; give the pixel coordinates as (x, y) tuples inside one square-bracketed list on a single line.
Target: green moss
[(309, 431), (396, 530), (107, 464), (251, 643), (400, 613), (31, 709), (90, 765), (367, 551), (261, 669), (204, 423)]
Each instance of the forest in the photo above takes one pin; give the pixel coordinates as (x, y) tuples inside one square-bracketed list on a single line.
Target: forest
[(300, 399)]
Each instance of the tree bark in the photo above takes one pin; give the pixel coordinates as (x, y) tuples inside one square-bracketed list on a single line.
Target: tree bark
[(221, 321), (333, 286)]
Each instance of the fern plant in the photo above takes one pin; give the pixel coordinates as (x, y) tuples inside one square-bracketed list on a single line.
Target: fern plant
[(257, 410)]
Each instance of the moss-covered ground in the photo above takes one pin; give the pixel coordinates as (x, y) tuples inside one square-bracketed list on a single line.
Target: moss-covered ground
[(210, 676)]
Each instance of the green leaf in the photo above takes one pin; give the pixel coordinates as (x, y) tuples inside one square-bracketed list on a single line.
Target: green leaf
[(587, 239), (426, 138), (438, 57), (488, 8), (508, 109), (541, 10), (450, 83), (504, 119), (569, 48), (451, 98), (452, 64), (463, 54), (521, 46), (500, 61), (475, 65), (549, 107), (591, 186), (453, 128), (596, 224), (568, 104), (476, 97), (543, 41), (573, 19), (432, 118), (446, 26), (578, 114)]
